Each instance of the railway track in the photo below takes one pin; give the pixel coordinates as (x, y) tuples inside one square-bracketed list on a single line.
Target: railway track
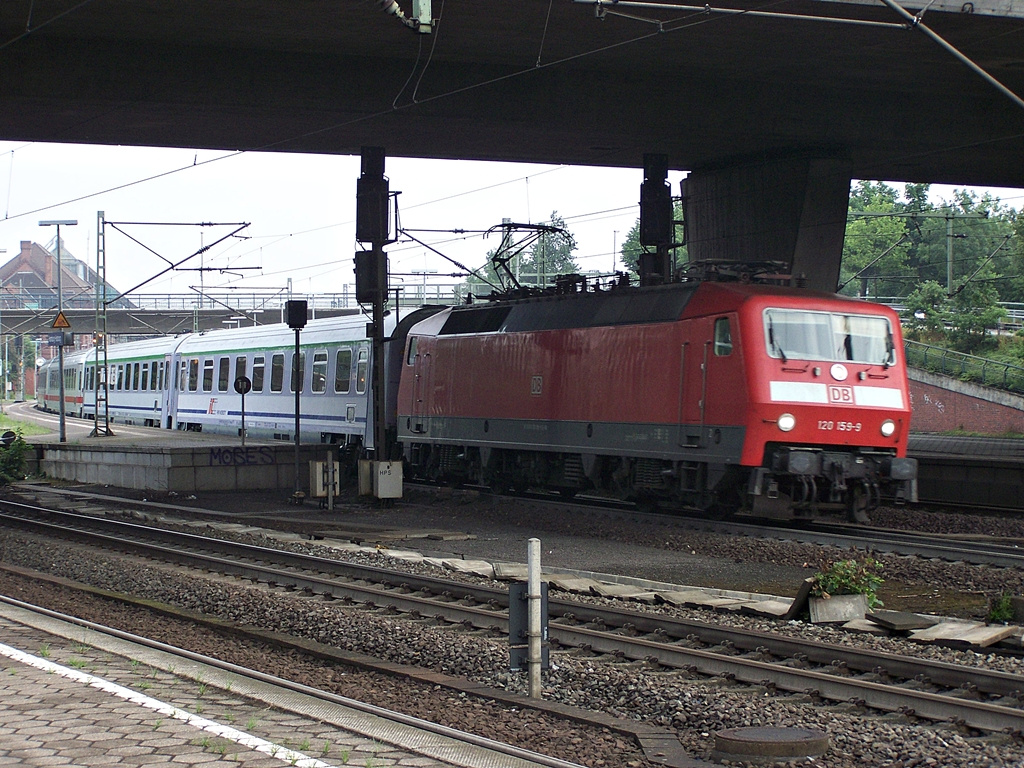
[(948, 547), (974, 697), (847, 536), (264, 687)]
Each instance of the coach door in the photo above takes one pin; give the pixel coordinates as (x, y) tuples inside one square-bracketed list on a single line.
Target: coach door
[(169, 392)]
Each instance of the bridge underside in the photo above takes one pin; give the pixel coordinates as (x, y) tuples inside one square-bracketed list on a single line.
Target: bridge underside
[(538, 81)]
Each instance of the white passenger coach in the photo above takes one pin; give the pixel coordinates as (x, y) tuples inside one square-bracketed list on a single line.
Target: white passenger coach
[(186, 382)]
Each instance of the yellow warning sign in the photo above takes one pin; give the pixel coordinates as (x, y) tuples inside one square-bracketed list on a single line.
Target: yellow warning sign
[(61, 321)]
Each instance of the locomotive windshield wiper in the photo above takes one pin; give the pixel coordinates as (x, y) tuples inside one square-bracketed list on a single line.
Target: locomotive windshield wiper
[(771, 340)]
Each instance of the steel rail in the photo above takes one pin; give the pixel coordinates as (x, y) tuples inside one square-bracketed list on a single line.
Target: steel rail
[(894, 543), (825, 654), (386, 714), (892, 698), (975, 714)]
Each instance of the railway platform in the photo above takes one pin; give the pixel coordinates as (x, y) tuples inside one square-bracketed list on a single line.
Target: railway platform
[(146, 458), (70, 695)]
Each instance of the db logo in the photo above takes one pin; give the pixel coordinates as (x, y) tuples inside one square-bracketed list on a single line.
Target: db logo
[(840, 395), (536, 385)]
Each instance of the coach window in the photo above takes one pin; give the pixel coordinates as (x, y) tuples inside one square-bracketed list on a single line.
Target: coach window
[(258, 364), (298, 371), (120, 377), (240, 367), (154, 381), (223, 372), (343, 371), (319, 380), (361, 367), (145, 375), (135, 375), (723, 337), (277, 373), (193, 375), (207, 375)]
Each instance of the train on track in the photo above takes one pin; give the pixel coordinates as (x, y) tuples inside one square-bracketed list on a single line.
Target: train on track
[(719, 395)]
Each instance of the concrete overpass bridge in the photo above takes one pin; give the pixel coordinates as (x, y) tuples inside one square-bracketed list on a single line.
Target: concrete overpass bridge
[(772, 106)]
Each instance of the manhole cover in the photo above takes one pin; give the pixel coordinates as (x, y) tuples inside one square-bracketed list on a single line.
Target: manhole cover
[(769, 745)]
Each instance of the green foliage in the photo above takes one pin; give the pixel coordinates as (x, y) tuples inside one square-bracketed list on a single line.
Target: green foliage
[(12, 460), (849, 577), (551, 255), (893, 245), (1000, 609), (876, 246), (925, 314)]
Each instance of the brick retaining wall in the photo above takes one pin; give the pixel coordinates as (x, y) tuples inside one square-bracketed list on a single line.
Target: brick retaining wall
[(944, 404)]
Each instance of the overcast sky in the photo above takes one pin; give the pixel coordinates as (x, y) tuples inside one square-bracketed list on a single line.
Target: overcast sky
[(301, 212)]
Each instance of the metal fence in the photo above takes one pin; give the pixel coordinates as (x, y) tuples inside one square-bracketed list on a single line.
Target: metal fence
[(965, 367)]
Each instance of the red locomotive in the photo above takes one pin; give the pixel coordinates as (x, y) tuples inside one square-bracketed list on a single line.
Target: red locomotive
[(775, 401)]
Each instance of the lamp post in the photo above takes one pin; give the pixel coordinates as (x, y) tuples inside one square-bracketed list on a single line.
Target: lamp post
[(60, 309)]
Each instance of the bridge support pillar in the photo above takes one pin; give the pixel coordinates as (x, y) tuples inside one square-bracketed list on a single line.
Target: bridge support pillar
[(791, 210)]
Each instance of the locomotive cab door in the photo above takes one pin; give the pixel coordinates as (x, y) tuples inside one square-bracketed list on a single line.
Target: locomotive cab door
[(692, 386), (419, 359), (709, 386)]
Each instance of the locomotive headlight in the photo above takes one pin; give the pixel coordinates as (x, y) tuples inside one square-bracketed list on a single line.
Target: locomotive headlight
[(888, 428), (786, 422)]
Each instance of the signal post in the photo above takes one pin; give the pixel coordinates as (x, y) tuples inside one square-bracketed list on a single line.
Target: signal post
[(380, 477)]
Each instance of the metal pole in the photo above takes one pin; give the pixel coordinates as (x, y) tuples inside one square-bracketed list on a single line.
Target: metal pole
[(330, 480), (60, 310), (297, 382), (949, 253), (533, 628), (60, 349)]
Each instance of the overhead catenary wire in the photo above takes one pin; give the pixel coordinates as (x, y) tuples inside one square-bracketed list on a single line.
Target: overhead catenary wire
[(915, 22)]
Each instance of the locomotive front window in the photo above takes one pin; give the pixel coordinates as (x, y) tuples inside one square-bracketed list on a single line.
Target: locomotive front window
[(828, 336)]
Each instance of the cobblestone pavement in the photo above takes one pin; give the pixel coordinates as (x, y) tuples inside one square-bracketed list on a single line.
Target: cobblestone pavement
[(66, 702)]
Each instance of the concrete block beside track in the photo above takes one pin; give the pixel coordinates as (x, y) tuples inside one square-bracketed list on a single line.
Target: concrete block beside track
[(177, 462)]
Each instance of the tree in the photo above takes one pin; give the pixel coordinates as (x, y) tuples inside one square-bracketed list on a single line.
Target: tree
[(926, 311), (974, 311), (875, 250), (550, 255)]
